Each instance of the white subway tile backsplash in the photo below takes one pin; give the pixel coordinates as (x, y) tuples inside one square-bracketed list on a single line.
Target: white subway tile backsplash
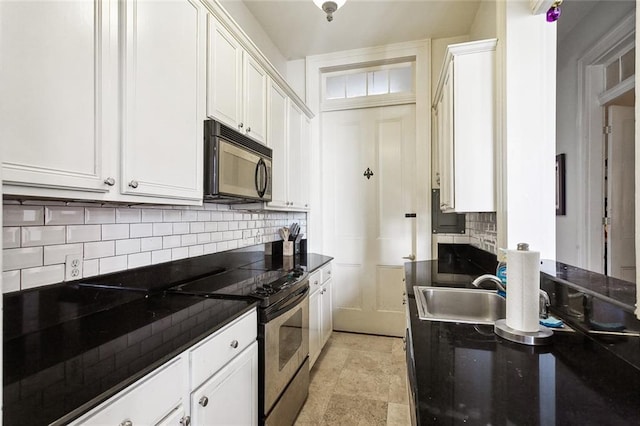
[(179, 253), (160, 256), (42, 235), (127, 246), (160, 229), (56, 215), (83, 233), (151, 243), (90, 268), (11, 281), (58, 254), (13, 215), (188, 240), (196, 227), (115, 232), (99, 215), (204, 216), (113, 264), (139, 259), (11, 237), (181, 228), (35, 277), (137, 230), (124, 215), (38, 236), (171, 241), (171, 216), (20, 258), (151, 215), (99, 249)]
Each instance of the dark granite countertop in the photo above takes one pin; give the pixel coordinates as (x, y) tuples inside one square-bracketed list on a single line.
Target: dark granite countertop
[(465, 374), (67, 347)]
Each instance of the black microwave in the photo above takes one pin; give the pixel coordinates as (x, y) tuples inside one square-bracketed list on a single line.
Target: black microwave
[(237, 169)]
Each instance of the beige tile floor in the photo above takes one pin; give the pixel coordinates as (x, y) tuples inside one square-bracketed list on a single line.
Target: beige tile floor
[(358, 379)]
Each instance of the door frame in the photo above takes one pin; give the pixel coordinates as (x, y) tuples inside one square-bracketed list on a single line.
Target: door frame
[(420, 51), (590, 159)]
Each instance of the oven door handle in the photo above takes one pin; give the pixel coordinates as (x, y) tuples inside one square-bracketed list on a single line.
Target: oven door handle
[(278, 309)]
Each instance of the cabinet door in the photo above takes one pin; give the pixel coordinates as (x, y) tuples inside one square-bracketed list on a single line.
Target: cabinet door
[(56, 92), (224, 75), (255, 99), (164, 61), (315, 324), (230, 397), (446, 148), (327, 312), (176, 418), (296, 165), (277, 140)]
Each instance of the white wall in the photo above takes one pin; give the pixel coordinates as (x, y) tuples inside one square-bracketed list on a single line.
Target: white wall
[(256, 33), (484, 24), (296, 77), (525, 59), (571, 227)]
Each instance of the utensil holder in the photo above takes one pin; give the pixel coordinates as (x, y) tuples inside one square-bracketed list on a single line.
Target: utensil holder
[(287, 248)]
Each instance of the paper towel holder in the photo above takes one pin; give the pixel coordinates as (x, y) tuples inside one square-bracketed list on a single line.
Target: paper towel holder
[(536, 338)]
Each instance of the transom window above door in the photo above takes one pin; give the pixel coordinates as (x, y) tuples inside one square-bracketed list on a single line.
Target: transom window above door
[(370, 86)]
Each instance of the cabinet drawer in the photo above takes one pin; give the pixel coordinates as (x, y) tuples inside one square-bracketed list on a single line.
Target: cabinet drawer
[(315, 281), (215, 351), (146, 402), (326, 272)]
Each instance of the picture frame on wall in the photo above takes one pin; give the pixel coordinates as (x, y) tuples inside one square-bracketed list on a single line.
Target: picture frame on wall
[(560, 185)]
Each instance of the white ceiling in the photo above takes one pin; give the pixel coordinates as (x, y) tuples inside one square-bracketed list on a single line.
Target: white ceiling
[(299, 28)]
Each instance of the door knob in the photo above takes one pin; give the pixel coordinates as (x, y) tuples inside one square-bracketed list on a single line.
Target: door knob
[(411, 257)]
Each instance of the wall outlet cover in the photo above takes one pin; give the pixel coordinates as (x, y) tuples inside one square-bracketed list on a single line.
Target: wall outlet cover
[(73, 267)]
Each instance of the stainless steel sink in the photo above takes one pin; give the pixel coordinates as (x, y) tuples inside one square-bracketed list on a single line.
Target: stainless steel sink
[(473, 306)]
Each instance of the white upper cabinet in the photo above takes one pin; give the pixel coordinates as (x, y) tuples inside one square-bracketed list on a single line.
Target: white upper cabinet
[(236, 84), (164, 98), (277, 137), (464, 106), (55, 86)]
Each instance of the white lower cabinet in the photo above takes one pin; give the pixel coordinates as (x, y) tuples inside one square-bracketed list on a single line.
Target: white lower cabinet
[(229, 397), (215, 382), (320, 311), (151, 400)]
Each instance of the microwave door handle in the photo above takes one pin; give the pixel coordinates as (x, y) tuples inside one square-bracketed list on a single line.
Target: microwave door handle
[(266, 178), (258, 176)]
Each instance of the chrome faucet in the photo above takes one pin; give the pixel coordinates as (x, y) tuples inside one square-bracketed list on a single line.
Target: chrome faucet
[(489, 277), (545, 302)]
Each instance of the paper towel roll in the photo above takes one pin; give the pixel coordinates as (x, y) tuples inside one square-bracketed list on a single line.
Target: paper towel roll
[(523, 290)]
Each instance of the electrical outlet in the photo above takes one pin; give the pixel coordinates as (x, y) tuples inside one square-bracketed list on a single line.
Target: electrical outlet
[(73, 267)]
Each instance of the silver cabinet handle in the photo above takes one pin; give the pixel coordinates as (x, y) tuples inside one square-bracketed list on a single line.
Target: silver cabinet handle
[(328, 272), (126, 422), (241, 125), (133, 184), (110, 181), (203, 401), (248, 129), (234, 344), (185, 421)]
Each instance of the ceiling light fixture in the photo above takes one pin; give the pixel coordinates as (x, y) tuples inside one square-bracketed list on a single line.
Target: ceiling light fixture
[(554, 11), (329, 6)]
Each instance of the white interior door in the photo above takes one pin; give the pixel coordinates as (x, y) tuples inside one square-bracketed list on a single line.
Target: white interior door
[(621, 193), (368, 170)]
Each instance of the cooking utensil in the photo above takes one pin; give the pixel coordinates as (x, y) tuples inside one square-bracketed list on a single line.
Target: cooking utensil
[(284, 233), (295, 230)]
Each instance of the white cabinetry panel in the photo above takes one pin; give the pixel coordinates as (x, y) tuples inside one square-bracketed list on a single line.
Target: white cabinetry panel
[(54, 87), (465, 103), (277, 137), (163, 98)]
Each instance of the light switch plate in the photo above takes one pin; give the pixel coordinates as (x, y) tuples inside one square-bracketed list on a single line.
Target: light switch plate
[(73, 267)]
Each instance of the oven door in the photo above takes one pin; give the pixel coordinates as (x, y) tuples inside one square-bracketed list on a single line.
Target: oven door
[(286, 340)]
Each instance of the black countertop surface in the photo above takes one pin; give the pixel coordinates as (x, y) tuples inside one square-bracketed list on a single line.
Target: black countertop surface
[(465, 374), (67, 348)]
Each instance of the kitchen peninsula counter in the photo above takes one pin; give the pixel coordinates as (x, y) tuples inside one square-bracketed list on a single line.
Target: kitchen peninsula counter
[(465, 374)]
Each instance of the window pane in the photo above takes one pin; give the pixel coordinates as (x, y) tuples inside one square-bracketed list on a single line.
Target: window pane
[(379, 82), (628, 64), (401, 80), (613, 75), (356, 85), (335, 87)]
